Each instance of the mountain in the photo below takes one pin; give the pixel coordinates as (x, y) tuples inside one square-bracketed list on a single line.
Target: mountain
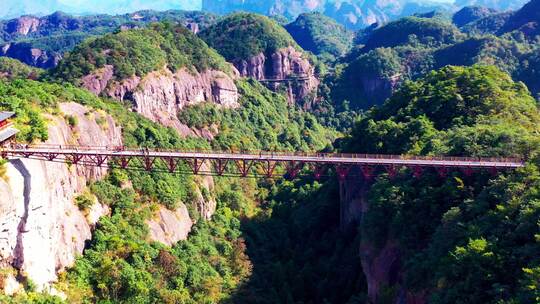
[(13, 8), (160, 87), (262, 49), (470, 14), (410, 47), (499, 5), (527, 19), (14, 69), (429, 31), (353, 14), (41, 41), (320, 35), (159, 70), (457, 254), (350, 13), (430, 84)]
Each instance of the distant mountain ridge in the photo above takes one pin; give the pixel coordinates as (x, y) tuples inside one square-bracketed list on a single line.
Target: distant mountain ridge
[(14, 8), (41, 41), (354, 14), (408, 48)]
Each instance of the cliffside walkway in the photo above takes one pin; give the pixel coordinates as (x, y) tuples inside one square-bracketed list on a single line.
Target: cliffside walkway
[(292, 79), (256, 164)]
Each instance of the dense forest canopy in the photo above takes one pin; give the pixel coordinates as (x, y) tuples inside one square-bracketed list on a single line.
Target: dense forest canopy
[(140, 51), (243, 35), (320, 35), (478, 240)]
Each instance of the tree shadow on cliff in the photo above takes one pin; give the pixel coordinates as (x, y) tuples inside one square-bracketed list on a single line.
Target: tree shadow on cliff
[(298, 253)]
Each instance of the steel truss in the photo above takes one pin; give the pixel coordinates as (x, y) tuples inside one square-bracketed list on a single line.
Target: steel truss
[(261, 164)]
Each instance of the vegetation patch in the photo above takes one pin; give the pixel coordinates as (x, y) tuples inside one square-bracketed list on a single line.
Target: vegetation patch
[(244, 35)]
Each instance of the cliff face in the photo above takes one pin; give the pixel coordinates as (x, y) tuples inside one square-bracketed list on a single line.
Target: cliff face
[(29, 55), (169, 227), (377, 88), (284, 64), (160, 95), (43, 231), (23, 25), (381, 265)]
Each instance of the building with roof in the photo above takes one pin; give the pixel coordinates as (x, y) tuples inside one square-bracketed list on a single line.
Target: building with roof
[(7, 131)]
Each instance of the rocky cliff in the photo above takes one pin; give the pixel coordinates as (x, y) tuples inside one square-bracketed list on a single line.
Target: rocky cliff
[(286, 69), (160, 95), (377, 88), (23, 25), (30, 55), (381, 265), (42, 229)]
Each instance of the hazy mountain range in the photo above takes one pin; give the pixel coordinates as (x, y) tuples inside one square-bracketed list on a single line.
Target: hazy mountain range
[(353, 13), (15, 8)]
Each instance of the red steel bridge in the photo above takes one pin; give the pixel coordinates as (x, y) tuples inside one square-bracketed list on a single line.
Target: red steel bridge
[(254, 164)]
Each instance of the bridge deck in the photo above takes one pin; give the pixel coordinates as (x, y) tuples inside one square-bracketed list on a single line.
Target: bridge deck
[(314, 158)]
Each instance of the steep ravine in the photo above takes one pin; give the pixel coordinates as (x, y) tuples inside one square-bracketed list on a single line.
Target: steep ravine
[(380, 263), (21, 228), (43, 231)]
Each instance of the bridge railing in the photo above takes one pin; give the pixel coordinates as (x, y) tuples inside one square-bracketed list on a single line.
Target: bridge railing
[(58, 148)]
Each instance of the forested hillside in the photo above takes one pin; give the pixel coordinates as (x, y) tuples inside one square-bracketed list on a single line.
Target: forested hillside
[(120, 263), (139, 52), (320, 35), (243, 35), (42, 41), (411, 47), (477, 241)]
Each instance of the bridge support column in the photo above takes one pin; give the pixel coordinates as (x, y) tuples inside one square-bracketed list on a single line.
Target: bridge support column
[(353, 201)]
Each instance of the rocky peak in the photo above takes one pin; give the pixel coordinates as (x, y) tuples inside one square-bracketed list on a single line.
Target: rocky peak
[(30, 55), (23, 25), (193, 27), (285, 67)]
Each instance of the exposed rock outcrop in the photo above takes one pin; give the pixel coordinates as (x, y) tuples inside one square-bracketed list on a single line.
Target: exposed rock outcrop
[(377, 88), (286, 68), (168, 227), (204, 201), (160, 95), (42, 230), (23, 25), (30, 55), (381, 264)]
